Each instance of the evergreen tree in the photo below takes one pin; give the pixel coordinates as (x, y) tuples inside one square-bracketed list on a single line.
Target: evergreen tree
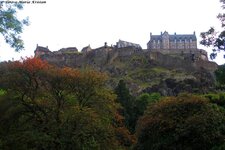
[(126, 100)]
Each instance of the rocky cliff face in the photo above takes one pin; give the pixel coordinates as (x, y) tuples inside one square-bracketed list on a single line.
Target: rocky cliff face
[(145, 70)]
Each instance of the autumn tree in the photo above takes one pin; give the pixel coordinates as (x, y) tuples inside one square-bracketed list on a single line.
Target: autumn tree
[(22, 116), (10, 26), (46, 107), (183, 122)]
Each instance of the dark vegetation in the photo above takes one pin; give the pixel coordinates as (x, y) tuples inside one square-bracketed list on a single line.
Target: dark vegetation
[(220, 72), (183, 122), (46, 107)]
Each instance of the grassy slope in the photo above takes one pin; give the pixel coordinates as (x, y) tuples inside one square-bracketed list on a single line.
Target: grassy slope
[(139, 73)]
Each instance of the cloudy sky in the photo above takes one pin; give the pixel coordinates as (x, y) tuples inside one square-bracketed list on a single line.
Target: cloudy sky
[(67, 23)]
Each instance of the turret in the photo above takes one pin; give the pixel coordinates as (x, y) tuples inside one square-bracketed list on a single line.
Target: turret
[(41, 51)]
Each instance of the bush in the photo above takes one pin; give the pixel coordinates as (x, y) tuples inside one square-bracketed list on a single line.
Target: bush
[(218, 99), (183, 122), (2, 92)]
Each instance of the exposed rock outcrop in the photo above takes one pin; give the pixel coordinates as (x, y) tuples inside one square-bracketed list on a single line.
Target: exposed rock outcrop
[(143, 70)]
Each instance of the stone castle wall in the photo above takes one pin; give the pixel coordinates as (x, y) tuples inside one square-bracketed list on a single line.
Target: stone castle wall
[(198, 53), (106, 55)]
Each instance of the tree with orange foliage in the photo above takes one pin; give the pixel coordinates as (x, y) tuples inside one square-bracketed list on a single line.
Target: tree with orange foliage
[(46, 107)]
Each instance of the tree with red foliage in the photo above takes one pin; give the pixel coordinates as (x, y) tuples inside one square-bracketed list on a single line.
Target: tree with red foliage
[(46, 107)]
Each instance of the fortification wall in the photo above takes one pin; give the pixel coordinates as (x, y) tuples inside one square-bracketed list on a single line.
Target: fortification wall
[(185, 62), (106, 55), (197, 53), (128, 51)]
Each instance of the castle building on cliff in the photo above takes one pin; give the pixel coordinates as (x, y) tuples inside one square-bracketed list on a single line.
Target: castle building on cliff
[(183, 45), (40, 50), (123, 44), (176, 41)]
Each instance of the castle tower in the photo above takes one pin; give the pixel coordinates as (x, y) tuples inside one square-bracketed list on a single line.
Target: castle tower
[(165, 40)]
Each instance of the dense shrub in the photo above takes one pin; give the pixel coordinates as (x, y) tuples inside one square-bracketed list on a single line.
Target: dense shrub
[(184, 122)]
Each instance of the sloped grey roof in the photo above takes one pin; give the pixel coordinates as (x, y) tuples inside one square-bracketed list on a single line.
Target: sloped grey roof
[(86, 48), (68, 49), (40, 48), (183, 37), (156, 37), (127, 44), (175, 37)]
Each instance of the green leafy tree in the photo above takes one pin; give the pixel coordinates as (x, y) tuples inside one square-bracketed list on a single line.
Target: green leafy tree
[(184, 122), (220, 75), (216, 98), (2, 92), (144, 100), (139, 105), (10, 26), (212, 38)]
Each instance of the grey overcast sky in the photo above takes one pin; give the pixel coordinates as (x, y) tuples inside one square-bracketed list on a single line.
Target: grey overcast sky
[(69, 23)]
